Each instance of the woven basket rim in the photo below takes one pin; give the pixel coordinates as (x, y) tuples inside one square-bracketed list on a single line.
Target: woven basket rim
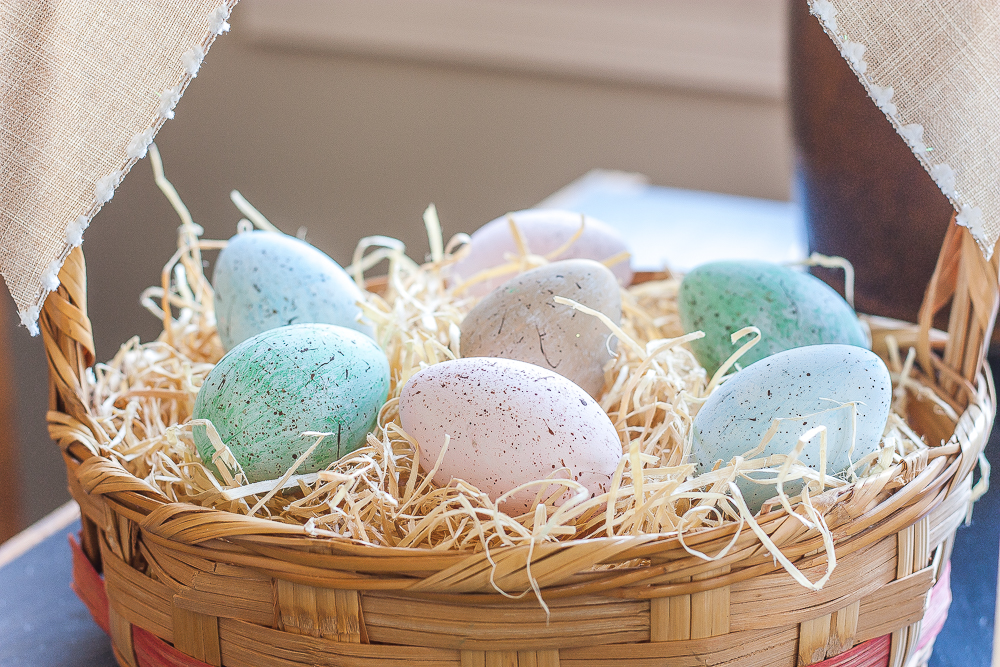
[(858, 514)]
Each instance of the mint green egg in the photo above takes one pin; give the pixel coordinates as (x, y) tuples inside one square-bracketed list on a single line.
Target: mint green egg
[(278, 384), (791, 309)]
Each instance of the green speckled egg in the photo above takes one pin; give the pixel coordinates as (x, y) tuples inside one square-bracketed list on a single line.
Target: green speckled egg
[(791, 309), (273, 386)]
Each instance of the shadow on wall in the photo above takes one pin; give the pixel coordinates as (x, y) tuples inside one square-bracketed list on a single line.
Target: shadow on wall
[(351, 146)]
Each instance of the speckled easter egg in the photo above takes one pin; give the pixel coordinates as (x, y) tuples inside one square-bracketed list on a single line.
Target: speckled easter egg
[(810, 384), (520, 320), (790, 308), (510, 422), (545, 231), (304, 377), (265, 280)]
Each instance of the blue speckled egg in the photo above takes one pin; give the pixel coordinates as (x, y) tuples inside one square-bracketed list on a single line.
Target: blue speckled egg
[(265, 280), (274, 386), (805, 383)]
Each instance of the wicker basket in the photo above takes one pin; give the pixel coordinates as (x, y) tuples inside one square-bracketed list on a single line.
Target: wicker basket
[(185, 585)]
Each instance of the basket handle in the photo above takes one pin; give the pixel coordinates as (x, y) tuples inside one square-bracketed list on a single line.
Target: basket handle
[(69, 339), (969, 282)]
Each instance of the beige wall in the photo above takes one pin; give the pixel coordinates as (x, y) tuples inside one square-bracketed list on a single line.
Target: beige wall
[(348, 145)]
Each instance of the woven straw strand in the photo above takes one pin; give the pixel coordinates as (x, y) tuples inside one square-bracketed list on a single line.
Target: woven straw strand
[(247, 591)]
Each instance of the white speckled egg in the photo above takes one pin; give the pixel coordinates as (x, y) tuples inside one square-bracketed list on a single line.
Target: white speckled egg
[(519, 320), (545, 230), (510, 422), (265, 280), (282, 382), (801, 382)]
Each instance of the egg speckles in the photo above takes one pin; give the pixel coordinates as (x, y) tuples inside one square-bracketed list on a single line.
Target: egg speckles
[(278, 384), (520, 320), (806, 382), (509, 423), (790, 308), (265, 280)]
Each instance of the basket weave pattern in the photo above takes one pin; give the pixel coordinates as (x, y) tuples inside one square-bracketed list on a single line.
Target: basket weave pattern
[(228, 589)]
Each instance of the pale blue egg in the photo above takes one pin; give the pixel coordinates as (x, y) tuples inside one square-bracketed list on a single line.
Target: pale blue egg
[(805, 383), (265, 280)]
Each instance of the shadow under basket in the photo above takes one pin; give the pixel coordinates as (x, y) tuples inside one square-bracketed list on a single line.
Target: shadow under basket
[(182, 585)]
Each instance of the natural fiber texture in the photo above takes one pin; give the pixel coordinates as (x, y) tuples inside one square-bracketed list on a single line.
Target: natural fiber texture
[(141, 404), (368, 563), (933, 67), (216, 641), (84, 86), (142, 401), (229, 589)]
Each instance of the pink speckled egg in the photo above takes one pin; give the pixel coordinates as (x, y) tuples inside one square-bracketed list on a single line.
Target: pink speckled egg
[(510, 422), (544, 230)]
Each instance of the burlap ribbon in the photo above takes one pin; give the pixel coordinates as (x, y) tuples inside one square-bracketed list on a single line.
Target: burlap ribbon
[(87, 83), (933, 68), (84, 87)]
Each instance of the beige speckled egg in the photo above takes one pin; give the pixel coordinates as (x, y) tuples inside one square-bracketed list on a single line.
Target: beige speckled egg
[(520, 320), (545, 231), (510, 422)]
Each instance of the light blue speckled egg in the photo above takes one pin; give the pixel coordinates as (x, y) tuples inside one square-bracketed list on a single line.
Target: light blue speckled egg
[(265, 280), (274, 386), (805, 382)]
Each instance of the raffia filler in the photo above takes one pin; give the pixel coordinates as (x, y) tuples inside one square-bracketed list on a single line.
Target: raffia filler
[(142, 401)]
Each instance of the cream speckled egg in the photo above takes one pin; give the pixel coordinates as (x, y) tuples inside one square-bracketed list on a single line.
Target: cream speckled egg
[(520, 320), (510, 422), (545, 230)]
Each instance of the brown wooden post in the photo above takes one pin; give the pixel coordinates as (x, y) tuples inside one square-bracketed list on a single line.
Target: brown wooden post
[(10, 477), (864, 193)]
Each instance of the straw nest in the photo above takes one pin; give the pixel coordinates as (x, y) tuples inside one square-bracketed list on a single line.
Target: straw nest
[(143, 400)]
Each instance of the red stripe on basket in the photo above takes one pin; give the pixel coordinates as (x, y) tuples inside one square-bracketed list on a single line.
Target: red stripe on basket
[(151, 651), (872, 653), (89, 586), (875, 653), (937, 608)]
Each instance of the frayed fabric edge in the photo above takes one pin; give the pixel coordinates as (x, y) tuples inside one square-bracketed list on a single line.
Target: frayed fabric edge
[(136, 149), (942, 173)]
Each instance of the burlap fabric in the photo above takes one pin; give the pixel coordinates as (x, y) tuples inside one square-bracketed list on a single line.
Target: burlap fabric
[(933, 68), (84, 86)]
